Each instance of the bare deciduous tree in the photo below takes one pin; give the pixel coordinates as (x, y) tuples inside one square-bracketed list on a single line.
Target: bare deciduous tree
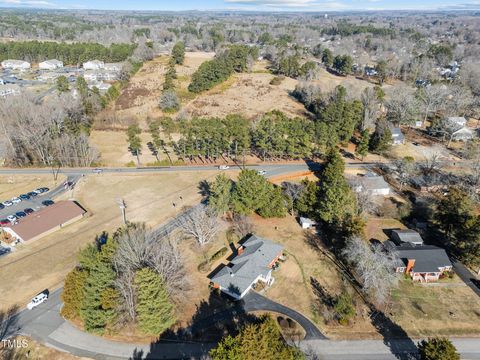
[(432, 99), (375, 268), (200, 224), (242, 225), (370, 108)]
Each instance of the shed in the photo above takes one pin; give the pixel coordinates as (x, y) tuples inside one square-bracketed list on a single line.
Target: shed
[(307, 223), (407, 236)]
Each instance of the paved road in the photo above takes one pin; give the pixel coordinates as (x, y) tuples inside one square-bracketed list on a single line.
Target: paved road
[(466, 275), (36, 202)]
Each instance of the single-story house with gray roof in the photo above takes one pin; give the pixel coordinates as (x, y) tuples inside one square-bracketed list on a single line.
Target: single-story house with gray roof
[(423, 263), (254, 261), (408, 236)]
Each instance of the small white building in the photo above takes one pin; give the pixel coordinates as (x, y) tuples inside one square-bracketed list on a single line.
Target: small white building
[(397, 136), (100, 86), (16, 64), (50, 64), (306, 223), (90, 76), (463, 134), (93, 65)]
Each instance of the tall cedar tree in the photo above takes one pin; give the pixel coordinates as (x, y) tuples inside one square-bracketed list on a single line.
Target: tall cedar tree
[(155, 311), (381, 139), (220, 194), (134, 141), (97, 311), (72, 295), (437, 349), (178, 53), (256, 341), (336, 201), (456, 217), (305, 205), (362, 147)]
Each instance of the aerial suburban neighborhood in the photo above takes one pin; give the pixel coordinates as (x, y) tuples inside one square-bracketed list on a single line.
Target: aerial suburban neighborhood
[(232, 179)]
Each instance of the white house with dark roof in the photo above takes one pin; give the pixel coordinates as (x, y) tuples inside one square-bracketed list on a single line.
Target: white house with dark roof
[(253, 262), (93, 65)]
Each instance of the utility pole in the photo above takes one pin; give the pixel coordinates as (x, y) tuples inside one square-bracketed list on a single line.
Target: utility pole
[(123, 206)]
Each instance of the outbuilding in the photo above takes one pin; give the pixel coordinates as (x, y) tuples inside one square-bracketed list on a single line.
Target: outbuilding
[(50, 64)]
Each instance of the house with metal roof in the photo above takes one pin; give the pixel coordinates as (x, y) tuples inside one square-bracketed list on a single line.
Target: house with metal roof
[(253, 262), (372, 183), (424, 263)]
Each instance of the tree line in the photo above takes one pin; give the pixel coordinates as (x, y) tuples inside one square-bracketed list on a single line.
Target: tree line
[(72, 54), (234, 58)]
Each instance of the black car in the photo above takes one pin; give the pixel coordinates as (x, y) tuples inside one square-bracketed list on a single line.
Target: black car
[(32, 194), (28, 211), (2, 206), (20, 214), (44, 189), (47, 202), (24, 197)]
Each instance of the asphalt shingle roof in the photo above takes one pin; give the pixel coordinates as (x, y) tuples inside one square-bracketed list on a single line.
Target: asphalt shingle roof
[(428, 258), (408, 236), (242, 271)]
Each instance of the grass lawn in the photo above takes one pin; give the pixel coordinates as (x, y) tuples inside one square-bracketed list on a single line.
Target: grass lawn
[(36, 351), (450, 308), (14, 185)]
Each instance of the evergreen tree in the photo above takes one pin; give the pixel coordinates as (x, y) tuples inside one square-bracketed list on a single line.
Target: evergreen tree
[(220, 194), (251, 192), (344, 308), (62, 84), (134, 141), (155, 311), (308, 199), (381, 69), (336, 201), (256, 341), (327, 57), (275, 206), (381, 139), (437, 349), (362, 147), (178, 53), (72, 295)]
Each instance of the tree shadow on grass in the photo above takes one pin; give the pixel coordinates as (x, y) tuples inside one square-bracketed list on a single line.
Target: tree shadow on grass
[(214, 318)]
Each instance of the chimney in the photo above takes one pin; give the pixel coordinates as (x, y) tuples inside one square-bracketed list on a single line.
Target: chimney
[(240, 250), (410, 264)]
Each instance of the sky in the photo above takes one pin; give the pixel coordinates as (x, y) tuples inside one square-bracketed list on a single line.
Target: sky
[(247, 5)]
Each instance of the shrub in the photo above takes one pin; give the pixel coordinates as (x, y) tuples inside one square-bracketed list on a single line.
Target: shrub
[(169, 101), (277, 80)]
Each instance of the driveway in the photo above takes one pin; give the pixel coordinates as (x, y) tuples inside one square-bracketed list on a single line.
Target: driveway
[(466, 275)]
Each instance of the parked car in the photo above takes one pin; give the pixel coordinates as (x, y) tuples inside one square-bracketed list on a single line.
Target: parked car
[(37, 300), (16, 200), (32, 194), (24, 197), (2, 206), (47, 202), (4, 222), (262, 172), (28, 211), (224, 167), (4, 250), (97, 171), (12, 218), (20, 214), (41, 190), (7, 203)]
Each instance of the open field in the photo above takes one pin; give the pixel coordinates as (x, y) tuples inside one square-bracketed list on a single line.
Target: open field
[(14, 185), (149, 198)]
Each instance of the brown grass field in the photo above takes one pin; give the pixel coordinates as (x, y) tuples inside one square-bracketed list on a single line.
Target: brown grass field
[(14, 185)]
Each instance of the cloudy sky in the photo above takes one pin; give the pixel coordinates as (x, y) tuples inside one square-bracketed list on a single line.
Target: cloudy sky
[(262, 5)]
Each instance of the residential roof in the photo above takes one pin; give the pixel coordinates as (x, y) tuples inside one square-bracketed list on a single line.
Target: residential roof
[(304, 220), (47, 219), (408, 236), (372, 181), (459, 120), (255, 259), (53, 62), (428, 258)]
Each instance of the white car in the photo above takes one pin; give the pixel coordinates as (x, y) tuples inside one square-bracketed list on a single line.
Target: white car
[(12, 218), (16, 200), (224, 167), (7, 203), (37, 300), (262, 172)]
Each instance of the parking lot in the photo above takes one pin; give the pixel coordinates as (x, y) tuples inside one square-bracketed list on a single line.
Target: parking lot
[(35, 202)]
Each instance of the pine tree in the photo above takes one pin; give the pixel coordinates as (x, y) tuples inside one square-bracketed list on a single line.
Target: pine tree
[(336, 200), (256, 341), (308, 199), (178, 53), (381, 139), (251, 192), (362, 147), (437, 349), (155, 311), (72, 295), (275, 206), (220, 194), (134, 140)]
